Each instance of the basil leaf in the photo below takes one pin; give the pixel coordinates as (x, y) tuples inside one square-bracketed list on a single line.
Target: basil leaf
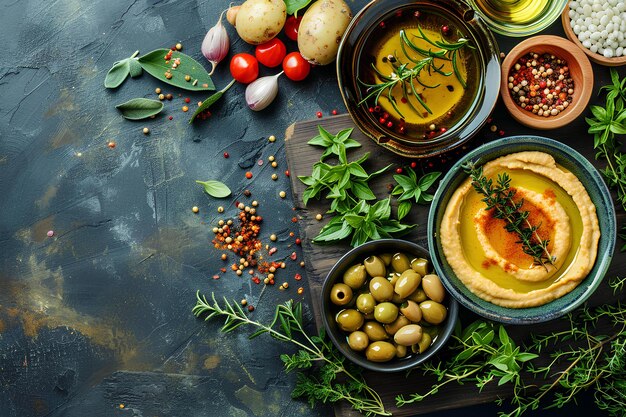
[(209, 101), (139, 108), (293, 6), (134, 68), (403, 209), (215, 188), (117, 74), (155, 64)]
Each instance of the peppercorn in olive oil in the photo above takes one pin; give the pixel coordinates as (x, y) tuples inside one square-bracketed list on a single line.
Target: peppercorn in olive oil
[(421, 74)]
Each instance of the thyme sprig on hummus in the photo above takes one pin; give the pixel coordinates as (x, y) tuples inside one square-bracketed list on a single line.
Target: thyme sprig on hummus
[(501, 199)]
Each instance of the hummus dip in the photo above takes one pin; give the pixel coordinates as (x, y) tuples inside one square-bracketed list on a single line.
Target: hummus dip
[(490, 261)]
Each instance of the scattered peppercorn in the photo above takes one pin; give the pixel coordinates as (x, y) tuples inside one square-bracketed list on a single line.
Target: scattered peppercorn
[(274, 177), (111, 144), (318, 217), (244, 302), (272, 138), (224, 257), (248, 175), (195, 209), (226, 155), (247, 193), (271, 158), (50, 233), (274, 164), (334, 112), (282, 194), (319, 114), (298, 241), (300, 291), (169, 96), (185, 108), (220, 209), (273, 237), (251, 308), (146, 131), (187, 78), (398, 170)]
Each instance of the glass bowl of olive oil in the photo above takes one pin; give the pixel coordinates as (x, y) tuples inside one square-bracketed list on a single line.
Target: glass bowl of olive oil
[(418, 78), (519, 17)]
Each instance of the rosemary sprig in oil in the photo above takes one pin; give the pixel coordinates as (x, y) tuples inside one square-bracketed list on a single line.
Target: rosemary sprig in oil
[(407, 74), (500, 198)]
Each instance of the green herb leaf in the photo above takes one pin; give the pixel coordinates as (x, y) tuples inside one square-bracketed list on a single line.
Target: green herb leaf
[(117, 74), (134, 68), (140, 108), (403, 209), (215, 188), (293, 6), (206, 104), (154, 63)]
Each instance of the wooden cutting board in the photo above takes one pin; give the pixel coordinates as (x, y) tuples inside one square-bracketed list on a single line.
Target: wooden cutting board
[(319, 259)]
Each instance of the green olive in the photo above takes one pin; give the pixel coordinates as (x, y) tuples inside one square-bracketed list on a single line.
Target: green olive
[(365, 303), (411, 311), (396, 325), (396, 299), (408, 335), (433, 312), (386, 312), (393, 278), (358, 340), (418, 296), (380, 352), (349, 320), (381, 289), (375, 266), (386, 258), (433, 287), (400, 262), (375, 331), (423, 344), (407, 283), (401, 351), (420, 265), (355, 276), (340, 294)]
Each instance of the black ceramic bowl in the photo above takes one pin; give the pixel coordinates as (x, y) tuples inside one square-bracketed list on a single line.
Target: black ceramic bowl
[(329, 310), (375, 21)]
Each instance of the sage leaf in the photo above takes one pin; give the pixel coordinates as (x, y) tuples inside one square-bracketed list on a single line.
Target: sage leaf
[(120, 71), (139, 108), (117, 74), (294, 5), (154, 63), (215, 188), (209, 101), (134, 68)]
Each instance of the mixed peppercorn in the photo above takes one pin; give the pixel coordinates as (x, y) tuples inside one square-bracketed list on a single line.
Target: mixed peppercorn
[(541, 84)]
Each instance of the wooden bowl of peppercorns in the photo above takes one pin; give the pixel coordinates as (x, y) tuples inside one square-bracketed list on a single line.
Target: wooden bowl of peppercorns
[(546, 82)]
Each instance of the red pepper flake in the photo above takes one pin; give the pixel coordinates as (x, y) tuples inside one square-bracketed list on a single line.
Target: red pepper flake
[(293, 256), (294, 219), (297, 277), (248, 175), (187, 100), (272, 251), (256, 280), (413, 164), (398, 170), (223, 269), (216, 276)]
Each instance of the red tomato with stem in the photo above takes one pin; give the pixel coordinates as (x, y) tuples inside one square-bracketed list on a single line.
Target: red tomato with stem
[(244, 68), (271, 53), (296, 68), (292, 24)]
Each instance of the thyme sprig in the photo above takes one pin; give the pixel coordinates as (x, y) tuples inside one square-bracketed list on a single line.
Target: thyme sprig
[(500, 198), (320, 383), (407, 74)]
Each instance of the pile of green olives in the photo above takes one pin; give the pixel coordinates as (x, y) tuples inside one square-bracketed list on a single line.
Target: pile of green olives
[(391, 306)]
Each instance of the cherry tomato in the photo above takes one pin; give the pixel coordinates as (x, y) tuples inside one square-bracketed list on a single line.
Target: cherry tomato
[(291, 27), (244, 68), (271, 53), (296, 68)]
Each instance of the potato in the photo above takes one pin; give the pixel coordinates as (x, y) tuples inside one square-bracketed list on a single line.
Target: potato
[(258, 21), (321, 29)]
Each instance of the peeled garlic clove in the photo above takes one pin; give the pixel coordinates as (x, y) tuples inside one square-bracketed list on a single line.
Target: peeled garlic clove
[(261, 92), (215, 44)]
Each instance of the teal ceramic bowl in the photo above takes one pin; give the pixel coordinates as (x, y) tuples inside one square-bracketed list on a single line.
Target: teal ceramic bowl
[(329, 310), (591, 180)]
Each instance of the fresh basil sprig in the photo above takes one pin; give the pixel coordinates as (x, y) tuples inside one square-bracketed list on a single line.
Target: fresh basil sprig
[(411, 189), (139, 108), (215, 188), (333, 143), (364, 222)]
